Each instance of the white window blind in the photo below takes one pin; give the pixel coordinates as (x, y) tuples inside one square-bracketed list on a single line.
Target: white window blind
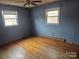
[(10, 17), (52, 16)]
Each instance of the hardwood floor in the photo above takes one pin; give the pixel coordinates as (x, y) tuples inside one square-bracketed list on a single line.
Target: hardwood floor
[(39, 48)]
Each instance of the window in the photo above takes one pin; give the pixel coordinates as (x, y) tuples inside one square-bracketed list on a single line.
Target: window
[(52, 16), (10, 17)]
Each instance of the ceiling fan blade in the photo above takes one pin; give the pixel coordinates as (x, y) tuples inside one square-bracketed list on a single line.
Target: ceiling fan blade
[(34, 4), (25, 4), (36, 1)]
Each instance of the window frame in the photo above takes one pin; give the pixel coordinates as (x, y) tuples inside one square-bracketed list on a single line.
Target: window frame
[(4, 19), (53, 9)]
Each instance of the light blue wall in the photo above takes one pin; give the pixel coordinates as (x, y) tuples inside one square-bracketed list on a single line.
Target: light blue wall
[(8, 34), (69, 21), (33, 21)]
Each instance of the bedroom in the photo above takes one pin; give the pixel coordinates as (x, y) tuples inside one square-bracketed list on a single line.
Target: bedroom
[(33, 19)]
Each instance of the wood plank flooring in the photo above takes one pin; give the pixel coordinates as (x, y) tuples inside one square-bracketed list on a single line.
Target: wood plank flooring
[(39, 48)]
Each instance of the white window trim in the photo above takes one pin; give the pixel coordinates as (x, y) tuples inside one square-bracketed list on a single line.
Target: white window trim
[(9, 18), (52, 9)]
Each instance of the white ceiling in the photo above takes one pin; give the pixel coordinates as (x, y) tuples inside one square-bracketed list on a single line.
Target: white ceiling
[(22, 2)]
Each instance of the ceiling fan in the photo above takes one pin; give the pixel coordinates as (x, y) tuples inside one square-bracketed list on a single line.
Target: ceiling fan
[(29, 3)]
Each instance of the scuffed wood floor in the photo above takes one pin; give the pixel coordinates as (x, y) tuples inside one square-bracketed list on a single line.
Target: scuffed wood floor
[(39, 48)]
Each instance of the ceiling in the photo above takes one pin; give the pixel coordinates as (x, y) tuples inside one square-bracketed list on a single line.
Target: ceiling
[(22, 2)]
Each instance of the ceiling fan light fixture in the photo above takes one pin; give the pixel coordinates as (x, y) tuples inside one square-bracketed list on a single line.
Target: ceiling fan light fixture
[(29, 5)]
